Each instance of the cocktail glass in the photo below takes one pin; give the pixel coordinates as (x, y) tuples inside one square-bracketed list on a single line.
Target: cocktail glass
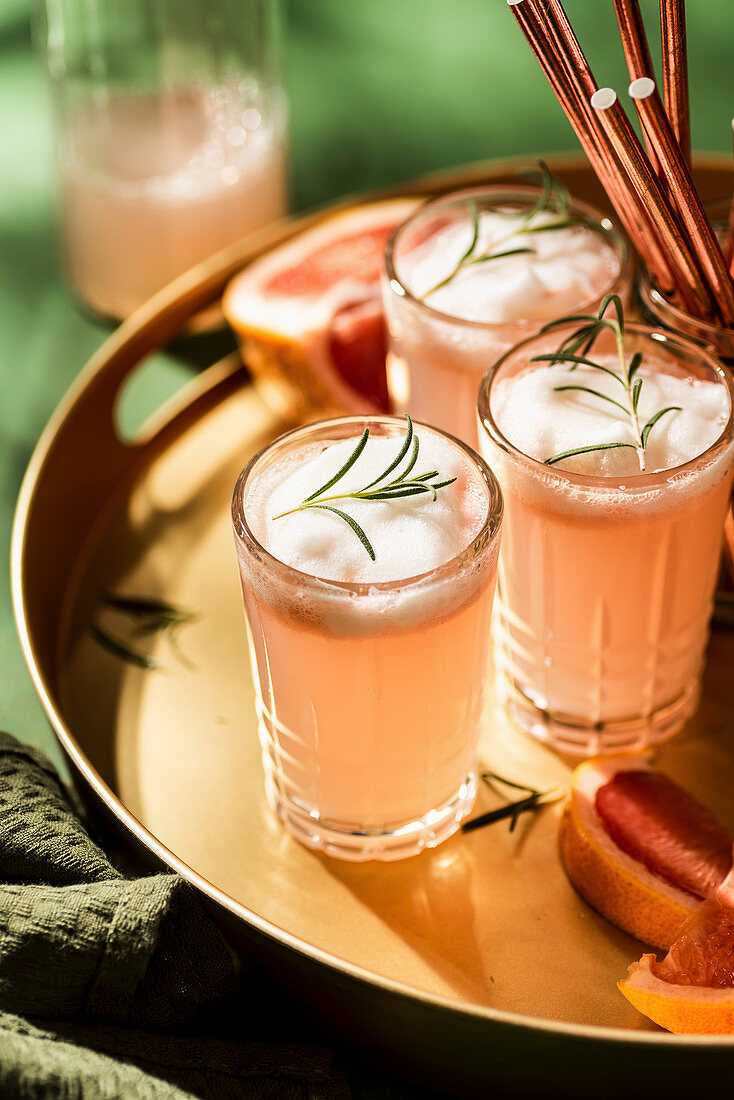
[(170, 136), (369, 696), (436, 361), (606, 584)]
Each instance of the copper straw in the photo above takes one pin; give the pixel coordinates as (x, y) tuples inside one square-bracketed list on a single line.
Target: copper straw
[(701, 236), (637, 55), (729, 240), (624, 139), (675, 71), (576, 109), (655, 218), (572, 97)]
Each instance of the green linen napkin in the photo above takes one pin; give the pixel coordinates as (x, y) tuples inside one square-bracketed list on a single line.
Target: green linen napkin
[(119, 975)]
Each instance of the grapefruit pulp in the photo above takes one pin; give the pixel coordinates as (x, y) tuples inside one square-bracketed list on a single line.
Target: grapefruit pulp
[(309, 313), (638, 848)]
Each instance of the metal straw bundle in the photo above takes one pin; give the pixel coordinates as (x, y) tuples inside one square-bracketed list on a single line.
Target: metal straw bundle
[(650, 187)]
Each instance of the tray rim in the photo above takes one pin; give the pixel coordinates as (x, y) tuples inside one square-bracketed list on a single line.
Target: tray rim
[(215, 272)]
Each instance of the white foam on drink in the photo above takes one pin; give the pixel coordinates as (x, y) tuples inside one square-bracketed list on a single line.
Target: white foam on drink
[(541, 421), (410, 536), (568, 268)]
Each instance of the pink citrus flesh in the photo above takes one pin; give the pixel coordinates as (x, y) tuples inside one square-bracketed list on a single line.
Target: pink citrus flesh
[(309, 312), (691, 990), (670, 832)]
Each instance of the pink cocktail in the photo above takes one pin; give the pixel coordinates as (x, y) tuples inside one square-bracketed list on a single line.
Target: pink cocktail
[(369, 687), (445, 333), (153, 183), (607, 571)]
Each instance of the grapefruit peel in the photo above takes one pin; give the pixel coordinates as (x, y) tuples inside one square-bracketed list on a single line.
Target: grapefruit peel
[(706, 941), (682, 1009)]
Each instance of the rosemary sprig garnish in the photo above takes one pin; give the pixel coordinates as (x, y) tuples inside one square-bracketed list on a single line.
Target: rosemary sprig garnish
[(553, 200), (147, 616), (118, 648), (404, 484), (575, 350), (534, 799)]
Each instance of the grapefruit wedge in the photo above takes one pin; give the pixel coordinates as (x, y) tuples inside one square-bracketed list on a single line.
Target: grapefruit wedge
[(691, 991), (638, 848), (309, 313)]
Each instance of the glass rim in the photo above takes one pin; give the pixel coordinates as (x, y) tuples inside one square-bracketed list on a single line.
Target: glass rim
[(660, 309), (629, 483), (710, 334), (609, 232), (477, 547)]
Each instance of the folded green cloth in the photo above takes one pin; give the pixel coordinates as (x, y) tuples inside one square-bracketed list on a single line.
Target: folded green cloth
[(118, 974)]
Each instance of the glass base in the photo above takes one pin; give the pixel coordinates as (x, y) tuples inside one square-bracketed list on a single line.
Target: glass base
[(574, 736), (395, 841)]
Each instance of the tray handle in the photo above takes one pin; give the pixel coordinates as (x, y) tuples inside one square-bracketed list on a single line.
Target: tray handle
[(80, 453)]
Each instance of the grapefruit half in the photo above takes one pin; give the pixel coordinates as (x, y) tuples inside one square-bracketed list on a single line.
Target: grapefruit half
[(638, 848), (309, 313), (691, 991)]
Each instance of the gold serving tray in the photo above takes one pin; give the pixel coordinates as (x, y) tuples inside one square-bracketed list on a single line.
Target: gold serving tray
[(472, 967)]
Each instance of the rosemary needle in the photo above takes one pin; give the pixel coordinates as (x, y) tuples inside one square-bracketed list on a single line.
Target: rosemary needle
[(148, 615), (534, 799), (118, 649), (574, 351), (405, 484), (553, 200), (513, 810)]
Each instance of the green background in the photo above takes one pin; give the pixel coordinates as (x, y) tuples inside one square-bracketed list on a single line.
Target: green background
[(379, 91)]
